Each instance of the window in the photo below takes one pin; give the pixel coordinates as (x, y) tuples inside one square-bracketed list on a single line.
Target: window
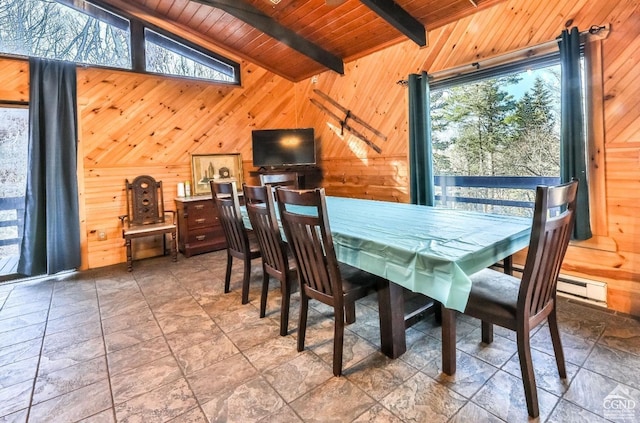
[(13, 177), (164, 55), (55, 31), (494, 133), (80, 32)]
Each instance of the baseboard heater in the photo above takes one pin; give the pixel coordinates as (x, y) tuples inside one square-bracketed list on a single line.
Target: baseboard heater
[(581, 289)]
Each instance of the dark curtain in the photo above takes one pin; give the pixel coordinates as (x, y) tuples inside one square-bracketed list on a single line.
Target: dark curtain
[(51, 241), (573, 157), (420, 156)]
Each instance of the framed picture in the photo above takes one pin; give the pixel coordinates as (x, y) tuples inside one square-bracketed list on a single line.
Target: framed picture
[(219, 167)]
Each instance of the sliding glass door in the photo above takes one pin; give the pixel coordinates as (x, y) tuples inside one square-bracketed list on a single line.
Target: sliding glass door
[(13, 173)]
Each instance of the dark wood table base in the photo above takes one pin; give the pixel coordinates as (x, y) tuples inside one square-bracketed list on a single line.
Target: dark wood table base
[(394, 321)]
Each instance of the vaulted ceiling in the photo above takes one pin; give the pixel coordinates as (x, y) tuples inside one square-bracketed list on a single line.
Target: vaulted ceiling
[(296, 38)]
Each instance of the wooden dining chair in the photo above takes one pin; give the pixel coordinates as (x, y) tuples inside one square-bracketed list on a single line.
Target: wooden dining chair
[(285, 179), (240, 244), (146, 215), (275, 259), (520, 305), (322, 277)]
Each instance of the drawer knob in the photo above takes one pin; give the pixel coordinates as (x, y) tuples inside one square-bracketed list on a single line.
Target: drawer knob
[(201, 237), (199, 206), (200, 220)]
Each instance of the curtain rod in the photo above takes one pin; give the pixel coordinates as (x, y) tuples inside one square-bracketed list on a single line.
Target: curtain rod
[(546, 47)]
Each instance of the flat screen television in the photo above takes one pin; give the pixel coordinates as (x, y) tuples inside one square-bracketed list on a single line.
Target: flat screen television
[(283, 147)]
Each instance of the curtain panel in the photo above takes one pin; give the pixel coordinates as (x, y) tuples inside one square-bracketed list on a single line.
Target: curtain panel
[(420, 155), (51, 241), (573, 157)]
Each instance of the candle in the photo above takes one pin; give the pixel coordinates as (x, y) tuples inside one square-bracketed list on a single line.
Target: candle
[(180, 189)]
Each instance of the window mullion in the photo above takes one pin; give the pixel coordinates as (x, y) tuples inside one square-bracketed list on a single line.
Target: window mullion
[(138, 55)]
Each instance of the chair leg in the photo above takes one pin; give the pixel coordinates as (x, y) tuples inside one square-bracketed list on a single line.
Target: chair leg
[(557, 344), (528, 377), (227, 276), (302, 323), (265, 291), (246, 280), (127, 242), (285, 288), (174, 249), (487, 332), (338, 341), (350, 312)]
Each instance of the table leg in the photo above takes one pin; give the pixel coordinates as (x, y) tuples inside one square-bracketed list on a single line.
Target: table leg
[(448, 341), (392, 328), (508, 265)]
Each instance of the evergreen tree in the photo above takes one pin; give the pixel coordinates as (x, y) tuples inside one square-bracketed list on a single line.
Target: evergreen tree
[(480, 114), (536, 138)]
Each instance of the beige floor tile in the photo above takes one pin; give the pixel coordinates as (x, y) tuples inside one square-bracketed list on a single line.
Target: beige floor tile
[(180, 350)]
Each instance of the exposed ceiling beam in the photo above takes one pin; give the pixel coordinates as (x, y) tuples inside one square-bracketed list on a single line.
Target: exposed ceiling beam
[(400, 19), (254, 17)]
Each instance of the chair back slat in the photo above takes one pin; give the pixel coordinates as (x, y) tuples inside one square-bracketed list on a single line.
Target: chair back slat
[(553, 221), (262, 214), (285, 180), (309, 237), (225, 199), (145, 202)]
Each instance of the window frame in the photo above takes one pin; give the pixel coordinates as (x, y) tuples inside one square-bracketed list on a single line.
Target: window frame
[(138, 58), (476, 73), (592, 51), (136, 27), (191, 51)]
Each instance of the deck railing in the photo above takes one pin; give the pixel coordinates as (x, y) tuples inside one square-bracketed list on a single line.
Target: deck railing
[(10, 204), (447, 195)]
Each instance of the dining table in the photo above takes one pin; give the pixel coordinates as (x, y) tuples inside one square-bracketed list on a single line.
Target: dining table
[(423, 249)]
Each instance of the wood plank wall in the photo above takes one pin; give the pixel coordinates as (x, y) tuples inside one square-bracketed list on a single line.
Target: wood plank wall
[(136, 124), (369, 90), (133, 124)]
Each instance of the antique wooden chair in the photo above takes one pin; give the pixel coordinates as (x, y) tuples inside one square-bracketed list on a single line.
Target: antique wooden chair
[(322, 277), (520, 305), (239, 244), (146, 215), (275, 260)]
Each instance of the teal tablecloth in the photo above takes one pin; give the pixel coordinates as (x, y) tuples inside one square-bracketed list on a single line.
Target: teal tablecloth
[(425, 249)]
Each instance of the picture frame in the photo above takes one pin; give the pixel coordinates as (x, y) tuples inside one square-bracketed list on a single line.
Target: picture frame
[(219, 167)]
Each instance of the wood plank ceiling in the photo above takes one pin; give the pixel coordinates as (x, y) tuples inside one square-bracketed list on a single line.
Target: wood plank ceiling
[(298, 39)]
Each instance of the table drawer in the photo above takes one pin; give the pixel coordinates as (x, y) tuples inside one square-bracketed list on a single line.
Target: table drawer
[(201, 215), (205, 236)]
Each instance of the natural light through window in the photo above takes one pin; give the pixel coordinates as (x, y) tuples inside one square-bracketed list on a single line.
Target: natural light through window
[(51, 30), (13, 175), (494, 132), (170, 57)]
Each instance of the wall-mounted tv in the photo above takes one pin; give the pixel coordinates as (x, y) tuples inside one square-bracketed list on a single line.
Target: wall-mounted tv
[(283, 147)]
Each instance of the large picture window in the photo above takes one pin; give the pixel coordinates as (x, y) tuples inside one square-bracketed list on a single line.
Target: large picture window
[(494, 133)]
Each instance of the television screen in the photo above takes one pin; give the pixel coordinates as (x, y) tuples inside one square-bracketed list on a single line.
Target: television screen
[(283, 147)]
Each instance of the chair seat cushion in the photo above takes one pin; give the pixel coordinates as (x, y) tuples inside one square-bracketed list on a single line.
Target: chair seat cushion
[(493, 295), (148, 229)]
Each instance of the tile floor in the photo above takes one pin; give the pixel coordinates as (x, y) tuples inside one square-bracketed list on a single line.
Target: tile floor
[(163, 343)]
